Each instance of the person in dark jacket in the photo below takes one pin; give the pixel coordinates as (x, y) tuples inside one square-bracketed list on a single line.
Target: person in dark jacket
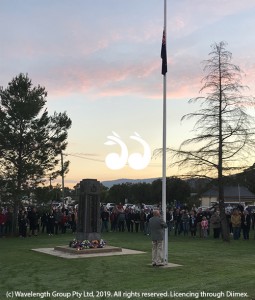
[(199, 218), (137, 220), (33, 218), (22, 222), (2, 222), (157, 225), (105, 217), (9, 220), (185, 222), (58, 218), (114, 219), (193, 224), (51, 222), (121, 220), (177, 222), (44, 220), (246, 224), (128, 216)]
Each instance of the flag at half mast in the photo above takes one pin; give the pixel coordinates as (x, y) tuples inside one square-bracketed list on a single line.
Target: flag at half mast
[(163, 55)]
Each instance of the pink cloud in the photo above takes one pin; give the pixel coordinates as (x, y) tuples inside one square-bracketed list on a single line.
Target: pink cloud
[(122, 80), (102, 79), (82, 73)]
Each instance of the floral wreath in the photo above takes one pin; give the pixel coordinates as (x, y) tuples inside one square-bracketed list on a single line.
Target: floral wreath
[(86, 244)]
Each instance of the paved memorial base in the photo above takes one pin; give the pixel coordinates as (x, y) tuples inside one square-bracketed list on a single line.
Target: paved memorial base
[(105, 249), (70, 253)]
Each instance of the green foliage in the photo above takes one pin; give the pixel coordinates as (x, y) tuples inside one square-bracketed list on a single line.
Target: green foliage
[(177, 189), (103, 193), (119, 192), (246, 178), (30, 139)]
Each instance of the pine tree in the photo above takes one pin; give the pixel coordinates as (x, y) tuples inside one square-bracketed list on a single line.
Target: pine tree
[(224, 134), (30, 140)]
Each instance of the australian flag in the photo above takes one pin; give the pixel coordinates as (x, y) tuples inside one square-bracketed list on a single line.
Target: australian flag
[(163, 54)]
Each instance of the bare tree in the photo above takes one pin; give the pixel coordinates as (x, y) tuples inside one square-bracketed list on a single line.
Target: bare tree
[(223, 131)]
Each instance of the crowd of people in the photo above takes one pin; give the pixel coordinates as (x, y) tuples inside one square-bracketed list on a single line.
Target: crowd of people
[(6, 216), (194, 222), (54, 221), (180, 221), (202, 223)]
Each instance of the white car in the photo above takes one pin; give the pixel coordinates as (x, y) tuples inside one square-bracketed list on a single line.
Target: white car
[(129, 205), (110, 206)]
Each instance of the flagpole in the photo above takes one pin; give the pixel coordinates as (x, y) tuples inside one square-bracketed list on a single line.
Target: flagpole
[(165, 257)]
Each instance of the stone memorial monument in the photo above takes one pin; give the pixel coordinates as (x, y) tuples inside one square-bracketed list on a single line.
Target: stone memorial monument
[(88, 223)]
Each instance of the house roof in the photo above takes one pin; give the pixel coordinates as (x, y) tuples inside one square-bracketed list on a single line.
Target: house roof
[(230, 192)]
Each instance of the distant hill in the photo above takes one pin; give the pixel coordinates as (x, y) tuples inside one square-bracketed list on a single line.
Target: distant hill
[(110, 183)]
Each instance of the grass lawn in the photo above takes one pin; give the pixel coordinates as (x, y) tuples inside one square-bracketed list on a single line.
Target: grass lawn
[(208, 266)]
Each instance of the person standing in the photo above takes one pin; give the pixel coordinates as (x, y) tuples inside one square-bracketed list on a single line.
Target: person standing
[(58, 217), (147, 223), (33, 218), (142, 220), (51, 222), (177, 222), (193, 224), (2, 222), (132, 220), (236, 224), (169, 220), (22, 222), (113, 219), (199, 218), (185, 222), (204, 227), (44, 221), (105, 216), (208, 215), (121, 220), (63, 221), (246, 224), (73, 220), (216, 224), (128, 218), (157, 225), (9, 220), (137, 220)]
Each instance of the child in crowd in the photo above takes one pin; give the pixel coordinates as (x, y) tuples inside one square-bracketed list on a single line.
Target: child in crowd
[(193, 224), (204, 227)]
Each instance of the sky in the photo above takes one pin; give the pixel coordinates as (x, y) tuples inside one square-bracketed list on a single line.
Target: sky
[(99, 61)]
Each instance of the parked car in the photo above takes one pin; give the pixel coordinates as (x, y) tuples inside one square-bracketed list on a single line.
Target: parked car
[(147, 207), (110, 206), (128, 205), (250, 208)]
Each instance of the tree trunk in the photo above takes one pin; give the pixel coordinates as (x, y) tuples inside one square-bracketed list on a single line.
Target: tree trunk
[(224, 222), (223, 218), (15, 219)]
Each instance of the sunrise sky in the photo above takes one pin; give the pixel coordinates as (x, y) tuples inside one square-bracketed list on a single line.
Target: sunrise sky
[(100, 62)]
